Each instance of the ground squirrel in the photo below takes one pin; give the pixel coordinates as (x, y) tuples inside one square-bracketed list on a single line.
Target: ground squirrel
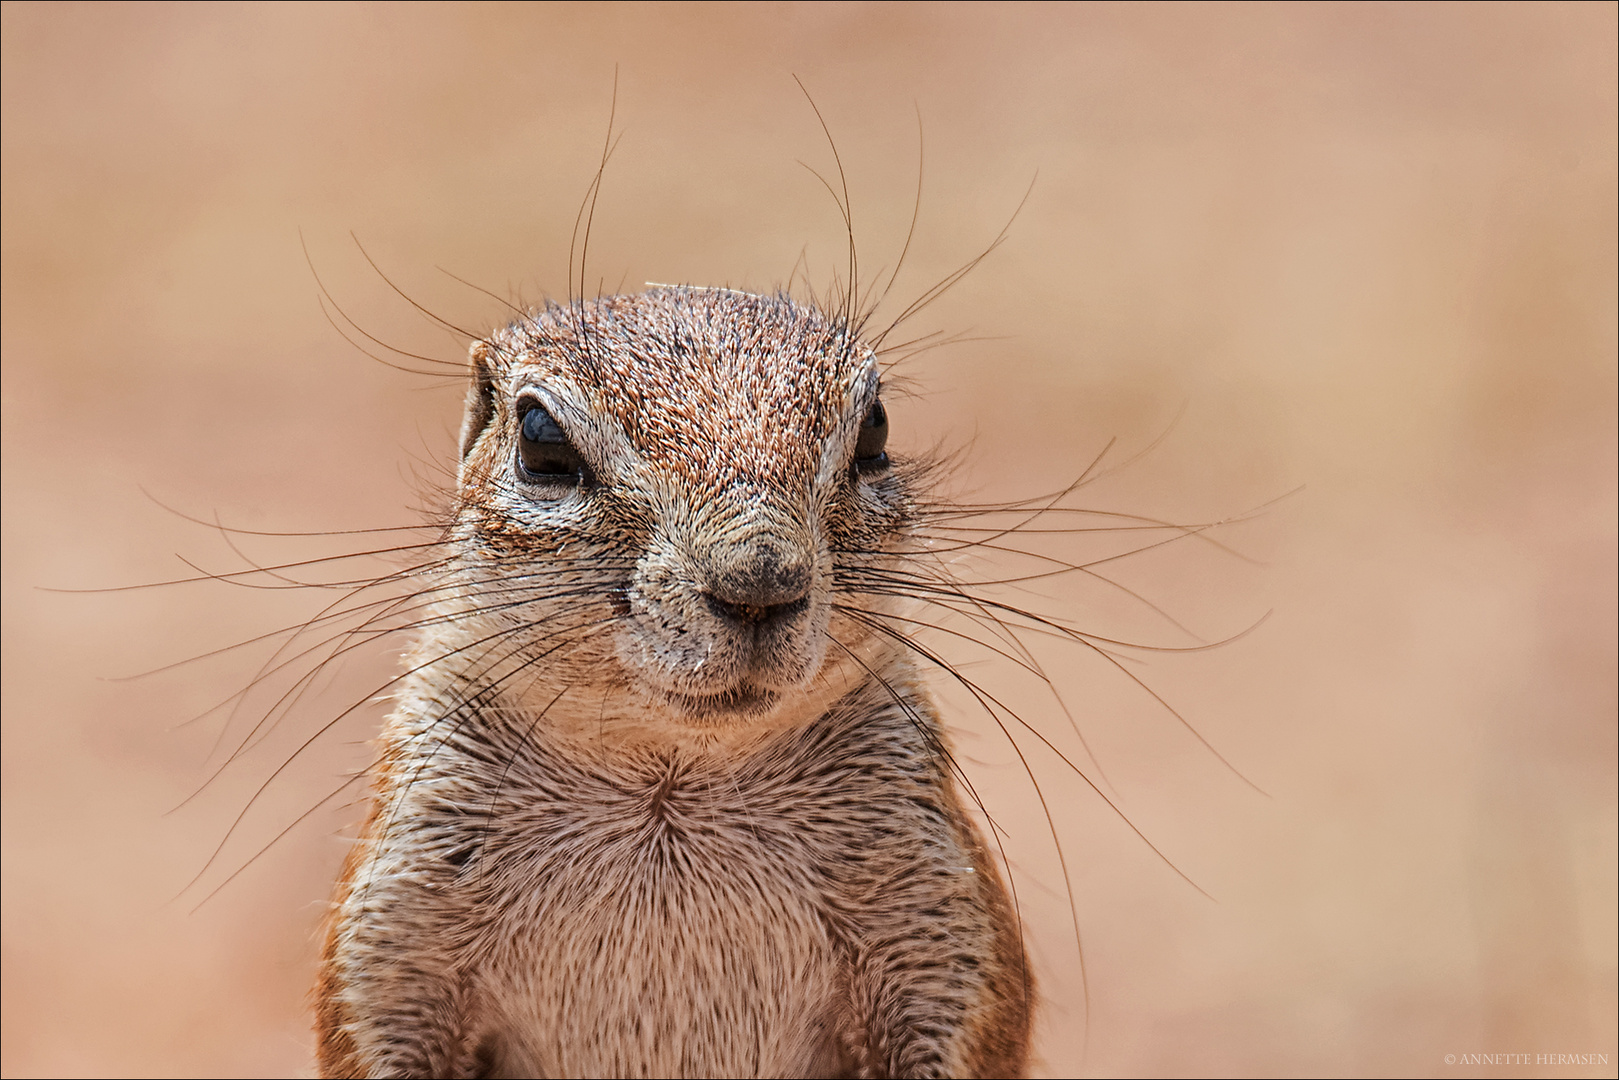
[(662, 793)]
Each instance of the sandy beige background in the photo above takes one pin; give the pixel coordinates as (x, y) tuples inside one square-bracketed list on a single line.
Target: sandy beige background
[(1365, 249)]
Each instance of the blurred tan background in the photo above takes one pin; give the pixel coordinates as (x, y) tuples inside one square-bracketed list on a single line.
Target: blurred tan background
[(1366, 249)]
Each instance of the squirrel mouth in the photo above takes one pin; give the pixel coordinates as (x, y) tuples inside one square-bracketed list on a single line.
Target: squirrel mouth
[(739, 702)]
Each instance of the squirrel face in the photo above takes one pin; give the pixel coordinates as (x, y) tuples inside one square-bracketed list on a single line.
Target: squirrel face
[(667, 492)]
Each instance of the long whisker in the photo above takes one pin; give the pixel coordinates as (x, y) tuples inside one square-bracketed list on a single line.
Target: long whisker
[(992, 703), (326, 298), (330, 724), (942, 749)]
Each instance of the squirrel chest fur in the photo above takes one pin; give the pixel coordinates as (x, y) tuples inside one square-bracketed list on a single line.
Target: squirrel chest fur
[(662, 793)]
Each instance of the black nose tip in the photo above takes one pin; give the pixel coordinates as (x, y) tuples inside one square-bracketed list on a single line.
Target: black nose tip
[(762, 583), (754, 614)]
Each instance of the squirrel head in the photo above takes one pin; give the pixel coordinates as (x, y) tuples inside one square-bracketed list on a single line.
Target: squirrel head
[(667, 494)]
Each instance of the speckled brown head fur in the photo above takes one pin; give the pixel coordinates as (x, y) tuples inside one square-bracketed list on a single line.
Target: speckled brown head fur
[(663, 793), (717, 432)]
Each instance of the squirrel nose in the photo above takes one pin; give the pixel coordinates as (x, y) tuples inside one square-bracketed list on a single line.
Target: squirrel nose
[(761, 583)]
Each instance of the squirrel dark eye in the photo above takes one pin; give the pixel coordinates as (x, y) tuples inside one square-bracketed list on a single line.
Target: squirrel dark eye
[(868, 447), (543, 450)]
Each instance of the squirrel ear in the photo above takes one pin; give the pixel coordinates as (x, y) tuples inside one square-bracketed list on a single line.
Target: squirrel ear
[(480, 397)]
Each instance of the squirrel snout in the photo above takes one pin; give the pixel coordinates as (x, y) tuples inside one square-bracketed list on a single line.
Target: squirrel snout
[(760, 583)]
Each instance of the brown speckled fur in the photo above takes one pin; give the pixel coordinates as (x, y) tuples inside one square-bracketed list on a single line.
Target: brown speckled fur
[(616, 832)]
